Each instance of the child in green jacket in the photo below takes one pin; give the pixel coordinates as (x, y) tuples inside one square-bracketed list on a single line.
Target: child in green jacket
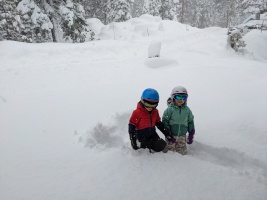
[(179, 119)]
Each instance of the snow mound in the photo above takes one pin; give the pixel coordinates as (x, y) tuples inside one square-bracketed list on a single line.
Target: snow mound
[(256, 43), (150, 18), (143, 26), (95, 25), (158, 62), (108, 136), (103, 135)]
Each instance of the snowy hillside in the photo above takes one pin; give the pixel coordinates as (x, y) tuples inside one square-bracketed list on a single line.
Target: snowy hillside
[(64, 111)]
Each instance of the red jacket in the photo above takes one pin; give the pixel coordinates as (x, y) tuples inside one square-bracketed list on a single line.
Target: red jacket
[(141, 118), (143, 124)]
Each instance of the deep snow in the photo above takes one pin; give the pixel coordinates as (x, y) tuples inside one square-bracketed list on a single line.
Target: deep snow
[(64, 111)]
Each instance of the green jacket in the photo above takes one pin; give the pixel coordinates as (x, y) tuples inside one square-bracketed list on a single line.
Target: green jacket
[(179, 119)]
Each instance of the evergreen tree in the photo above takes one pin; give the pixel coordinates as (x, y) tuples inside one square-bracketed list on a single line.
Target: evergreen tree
[(254, 6), (152, 7), (187, 12), (228, 13), (51, 9), (10, 24), (117, 11), (96, 9), (91, 7), (138, 8), (25, 11), (170, 9), (36, 25), (74, 25), (205, 10), (165, 8)]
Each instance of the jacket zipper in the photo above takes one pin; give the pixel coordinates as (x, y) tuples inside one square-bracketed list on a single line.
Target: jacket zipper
[(179, 130), (150, 119)]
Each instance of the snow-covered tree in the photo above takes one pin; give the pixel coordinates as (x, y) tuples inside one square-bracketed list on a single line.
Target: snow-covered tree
[(152, 7), (36, 25), (10, 24), (94, 8), (137, 8), (74, 25), (51, 9), (168, 9), (25, 11), (117, 10), (205, 13), (254, 6)]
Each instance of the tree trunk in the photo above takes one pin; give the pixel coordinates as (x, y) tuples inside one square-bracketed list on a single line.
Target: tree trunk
[(162, 9), (54, 29), (53, 20), (182, 14)]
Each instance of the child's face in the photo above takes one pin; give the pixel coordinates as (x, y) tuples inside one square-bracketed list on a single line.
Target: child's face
[(179, 102), (148, 109)]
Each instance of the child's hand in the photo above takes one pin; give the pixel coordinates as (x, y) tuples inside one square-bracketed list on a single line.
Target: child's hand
[(189, 141), (171, 139), (133, 141), (190, 137)]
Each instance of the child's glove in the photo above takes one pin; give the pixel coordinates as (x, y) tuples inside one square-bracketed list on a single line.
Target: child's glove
[(190, 137), (133, 141), (171, 139), (166, 132)]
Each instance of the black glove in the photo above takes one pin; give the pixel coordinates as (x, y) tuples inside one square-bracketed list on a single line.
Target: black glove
[(133, 141), (163, 129), (166, 132)]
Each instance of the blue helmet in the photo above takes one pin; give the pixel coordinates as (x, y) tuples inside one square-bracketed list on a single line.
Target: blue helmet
[(151, 95)]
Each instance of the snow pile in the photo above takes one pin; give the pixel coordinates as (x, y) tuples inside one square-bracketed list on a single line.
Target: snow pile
[(108, 136), (95, 25), (64, 111), (258, 46), (144, 26)]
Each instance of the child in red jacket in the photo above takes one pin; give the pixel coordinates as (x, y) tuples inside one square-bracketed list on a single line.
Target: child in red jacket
[(143, 122)]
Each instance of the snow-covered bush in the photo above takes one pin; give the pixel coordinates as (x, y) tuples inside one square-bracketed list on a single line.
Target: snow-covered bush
[(235, 40)]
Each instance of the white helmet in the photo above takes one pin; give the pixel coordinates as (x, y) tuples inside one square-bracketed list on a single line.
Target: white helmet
[(179, 90)]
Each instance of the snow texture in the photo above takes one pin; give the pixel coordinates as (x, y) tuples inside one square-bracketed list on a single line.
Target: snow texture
[(64, 111)]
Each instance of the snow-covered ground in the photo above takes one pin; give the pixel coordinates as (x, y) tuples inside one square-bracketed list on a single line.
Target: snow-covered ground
[(64, 111)]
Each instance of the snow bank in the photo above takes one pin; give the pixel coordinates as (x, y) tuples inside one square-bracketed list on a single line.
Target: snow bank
[(144, 26), (256, 43)]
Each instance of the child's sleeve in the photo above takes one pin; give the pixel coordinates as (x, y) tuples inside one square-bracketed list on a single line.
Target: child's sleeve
[(191, 125), (166, 118), (134, 118)]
